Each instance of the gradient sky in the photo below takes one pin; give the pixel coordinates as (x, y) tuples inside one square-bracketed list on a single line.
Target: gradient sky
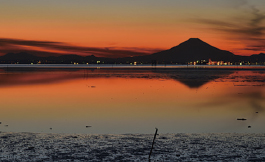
[(132, 27)]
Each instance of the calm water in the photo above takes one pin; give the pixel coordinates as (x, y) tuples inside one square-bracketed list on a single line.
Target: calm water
[(132, 100)]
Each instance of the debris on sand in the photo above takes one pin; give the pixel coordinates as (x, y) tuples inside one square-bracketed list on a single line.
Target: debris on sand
[(241, 119)]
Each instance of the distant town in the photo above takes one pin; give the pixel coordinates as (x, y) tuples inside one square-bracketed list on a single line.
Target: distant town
[(25, 58), (210, 62)]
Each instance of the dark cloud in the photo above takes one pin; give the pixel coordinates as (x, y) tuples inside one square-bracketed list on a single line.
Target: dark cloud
[(254, 28), (255, 48), (249, 28), (221, 25), (11, 45)]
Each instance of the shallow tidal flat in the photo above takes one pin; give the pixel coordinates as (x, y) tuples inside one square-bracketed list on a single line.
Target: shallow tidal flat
[(131, 147)]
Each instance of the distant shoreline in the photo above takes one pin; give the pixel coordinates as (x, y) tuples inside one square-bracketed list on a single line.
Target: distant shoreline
[(126, 66)]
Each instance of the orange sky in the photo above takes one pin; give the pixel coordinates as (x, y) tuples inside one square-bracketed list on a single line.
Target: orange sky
[(149, 26)]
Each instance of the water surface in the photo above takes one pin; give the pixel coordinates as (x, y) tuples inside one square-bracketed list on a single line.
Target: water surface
[(132, 100)]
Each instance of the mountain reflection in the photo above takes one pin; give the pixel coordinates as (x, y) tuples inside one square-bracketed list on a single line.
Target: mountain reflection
[(193, 78)]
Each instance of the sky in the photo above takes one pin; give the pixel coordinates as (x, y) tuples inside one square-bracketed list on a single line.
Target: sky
[(124, 28)]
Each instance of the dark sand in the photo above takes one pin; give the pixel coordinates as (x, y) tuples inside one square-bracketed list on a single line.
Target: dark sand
[(131, 147)]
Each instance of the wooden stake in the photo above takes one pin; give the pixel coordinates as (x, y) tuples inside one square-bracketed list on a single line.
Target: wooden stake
[(153, 144)]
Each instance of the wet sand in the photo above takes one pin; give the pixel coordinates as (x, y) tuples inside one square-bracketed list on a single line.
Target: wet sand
[(131, 147)]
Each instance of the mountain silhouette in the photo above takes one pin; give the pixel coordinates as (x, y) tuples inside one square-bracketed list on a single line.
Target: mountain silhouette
[(257, 58), (18, 56), (26, 58), (192, 50)]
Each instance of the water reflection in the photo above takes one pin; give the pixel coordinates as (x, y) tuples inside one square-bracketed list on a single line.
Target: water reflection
[(132, 100), (192, 78)]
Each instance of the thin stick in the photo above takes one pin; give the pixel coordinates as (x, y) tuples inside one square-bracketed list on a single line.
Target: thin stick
[(153, 144)]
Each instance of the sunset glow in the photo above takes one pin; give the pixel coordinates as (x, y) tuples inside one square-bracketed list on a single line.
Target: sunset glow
[(130, 28)]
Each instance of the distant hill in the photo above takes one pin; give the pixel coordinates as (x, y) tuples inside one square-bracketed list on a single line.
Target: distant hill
[(18, 56), (253, 58), (26, 58), (257, 58), (21, 57), (191, 50)]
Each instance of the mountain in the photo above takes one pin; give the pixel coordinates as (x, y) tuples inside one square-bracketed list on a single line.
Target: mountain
[(191, 50)]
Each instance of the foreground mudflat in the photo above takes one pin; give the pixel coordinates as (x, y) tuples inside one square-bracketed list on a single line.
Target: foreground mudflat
[(131, 147)]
